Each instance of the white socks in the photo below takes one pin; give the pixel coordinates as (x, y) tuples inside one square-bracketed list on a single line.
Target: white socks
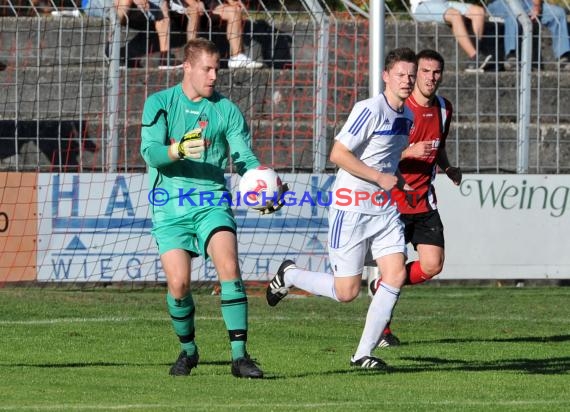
[(378, 316), (317, 283)]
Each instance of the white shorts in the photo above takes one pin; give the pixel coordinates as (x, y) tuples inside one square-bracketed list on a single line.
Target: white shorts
[(353, 236), (434, 10)]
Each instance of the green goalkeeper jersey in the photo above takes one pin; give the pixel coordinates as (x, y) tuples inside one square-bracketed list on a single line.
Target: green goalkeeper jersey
[(186, 183)]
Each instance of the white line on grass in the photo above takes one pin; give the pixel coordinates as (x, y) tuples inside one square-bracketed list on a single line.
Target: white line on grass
[(124, 319), (284, 406)]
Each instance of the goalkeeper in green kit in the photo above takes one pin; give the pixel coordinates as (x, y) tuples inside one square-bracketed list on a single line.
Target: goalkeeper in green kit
[(188, 133)]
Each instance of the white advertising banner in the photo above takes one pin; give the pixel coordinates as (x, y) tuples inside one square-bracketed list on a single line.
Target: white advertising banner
[(96, 228), (506, 226)]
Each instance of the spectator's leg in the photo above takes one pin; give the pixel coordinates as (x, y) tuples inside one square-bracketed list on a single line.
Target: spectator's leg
[(455, 20), (477, 16), (122, 7), (498, 8), (232, 15), (162, 27), (194, 10), (554, 18)]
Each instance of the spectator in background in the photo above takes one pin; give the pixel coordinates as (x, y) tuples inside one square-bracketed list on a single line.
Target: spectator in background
[(453, 13), (553, 17), (156, 11), (96, 8), (231, 12)]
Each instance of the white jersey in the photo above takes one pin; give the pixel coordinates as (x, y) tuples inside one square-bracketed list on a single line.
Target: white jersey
[(376, 134)]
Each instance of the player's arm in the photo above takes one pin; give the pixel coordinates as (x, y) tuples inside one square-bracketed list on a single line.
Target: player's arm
[(354, 133), (454, 173), (154, 134), (344, 158), (239, 141), (158, 149), (418, 150)]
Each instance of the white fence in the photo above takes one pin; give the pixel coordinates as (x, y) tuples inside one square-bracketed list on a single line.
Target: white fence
[(64, 109)]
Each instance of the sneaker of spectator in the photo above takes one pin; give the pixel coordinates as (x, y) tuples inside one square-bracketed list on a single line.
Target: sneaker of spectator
[(241, 61), (564, 61), (169, 62), (478, 64), (510, 61)]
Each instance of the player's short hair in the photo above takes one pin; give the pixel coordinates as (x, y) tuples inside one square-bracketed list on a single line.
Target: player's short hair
[(402, 54), (430, 54), (197, 46)]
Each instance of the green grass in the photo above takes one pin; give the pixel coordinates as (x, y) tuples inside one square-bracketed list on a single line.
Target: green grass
[(465, 348)]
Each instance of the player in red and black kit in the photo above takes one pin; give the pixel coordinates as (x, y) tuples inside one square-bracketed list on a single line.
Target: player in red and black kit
[(418, 165)]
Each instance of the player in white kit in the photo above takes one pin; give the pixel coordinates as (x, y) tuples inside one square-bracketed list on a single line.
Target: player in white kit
[(363, 216)]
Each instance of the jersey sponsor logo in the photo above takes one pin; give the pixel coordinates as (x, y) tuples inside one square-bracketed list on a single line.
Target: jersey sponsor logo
[(203, 121)]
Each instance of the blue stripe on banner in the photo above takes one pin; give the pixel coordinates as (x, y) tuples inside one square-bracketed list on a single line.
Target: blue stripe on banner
[(130, 225), (99, 223), (359, 122), (293, 223)]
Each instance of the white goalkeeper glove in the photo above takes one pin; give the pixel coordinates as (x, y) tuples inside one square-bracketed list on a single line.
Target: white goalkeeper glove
[(271, 207), (191, 145)]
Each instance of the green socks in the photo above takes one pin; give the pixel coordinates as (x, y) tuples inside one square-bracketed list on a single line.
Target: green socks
[(182, 314), (234, 312)]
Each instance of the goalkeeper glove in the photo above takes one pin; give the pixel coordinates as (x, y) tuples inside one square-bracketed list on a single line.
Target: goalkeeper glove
[(191, 145), (271, 207)]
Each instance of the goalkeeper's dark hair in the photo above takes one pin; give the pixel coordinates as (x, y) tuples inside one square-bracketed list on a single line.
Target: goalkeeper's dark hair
[(403, 54), (197, 46), (430, 54)]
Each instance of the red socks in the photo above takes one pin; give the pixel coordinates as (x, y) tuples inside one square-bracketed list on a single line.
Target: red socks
[(415, 273)]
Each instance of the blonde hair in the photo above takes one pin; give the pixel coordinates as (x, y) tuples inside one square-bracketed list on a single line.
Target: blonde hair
[(197, 46)]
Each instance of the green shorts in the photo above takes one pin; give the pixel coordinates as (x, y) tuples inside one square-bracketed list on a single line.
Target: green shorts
[(193, 231)]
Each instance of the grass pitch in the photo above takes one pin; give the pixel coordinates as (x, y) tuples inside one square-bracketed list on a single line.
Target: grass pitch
[(464, 348)]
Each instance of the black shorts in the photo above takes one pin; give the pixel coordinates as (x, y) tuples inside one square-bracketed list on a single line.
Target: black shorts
[(423, 228)]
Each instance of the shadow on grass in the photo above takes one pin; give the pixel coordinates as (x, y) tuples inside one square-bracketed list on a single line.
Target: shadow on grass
[(348, 371), (521, 339), (94, 364), (548, 366)]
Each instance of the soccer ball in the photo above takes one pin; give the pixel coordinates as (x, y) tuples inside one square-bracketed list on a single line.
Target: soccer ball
[(260, 187)]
